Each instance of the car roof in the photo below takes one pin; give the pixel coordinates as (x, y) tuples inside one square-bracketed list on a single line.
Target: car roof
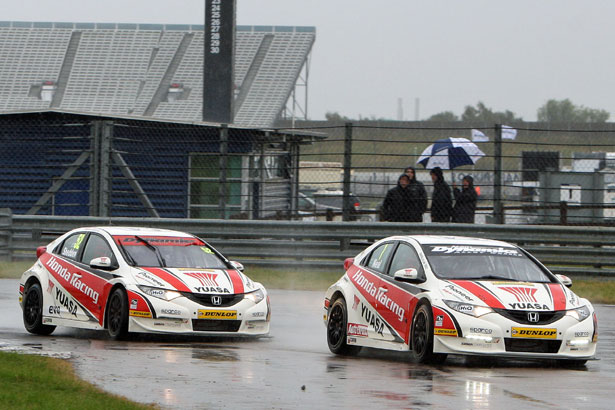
[(132, 230), (454, 240)]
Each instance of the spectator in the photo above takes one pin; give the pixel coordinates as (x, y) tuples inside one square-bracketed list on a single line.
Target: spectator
[(418, 197), (465, 201), (396, 205), (441, 200)]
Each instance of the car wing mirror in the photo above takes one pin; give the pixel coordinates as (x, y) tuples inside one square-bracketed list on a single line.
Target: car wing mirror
[(407, 274), (236, 265), (103, 262), (566, 281)]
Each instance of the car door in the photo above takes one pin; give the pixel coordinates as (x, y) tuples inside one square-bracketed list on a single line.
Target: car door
[(397, 300), (366, 280)]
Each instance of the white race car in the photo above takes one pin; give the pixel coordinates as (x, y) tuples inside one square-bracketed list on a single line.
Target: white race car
[(140, 280), (438, 295)]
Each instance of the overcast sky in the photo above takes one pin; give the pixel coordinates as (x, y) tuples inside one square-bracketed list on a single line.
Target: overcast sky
[(511, 55)]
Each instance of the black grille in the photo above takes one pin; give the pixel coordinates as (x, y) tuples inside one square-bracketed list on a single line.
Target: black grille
[(532, 345), (205, 300), (520, 316), (215, 325)]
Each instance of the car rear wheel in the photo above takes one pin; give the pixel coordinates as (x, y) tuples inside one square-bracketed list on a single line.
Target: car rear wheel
[(422, 337), (336, 329), (33, 311), (117, 314)]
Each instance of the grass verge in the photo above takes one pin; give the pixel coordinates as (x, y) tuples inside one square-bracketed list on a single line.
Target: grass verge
[(36, 382)]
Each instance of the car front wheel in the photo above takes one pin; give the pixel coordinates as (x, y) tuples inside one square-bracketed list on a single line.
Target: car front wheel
[(117, 314), (33, 311), (422, 337), (336, 329)]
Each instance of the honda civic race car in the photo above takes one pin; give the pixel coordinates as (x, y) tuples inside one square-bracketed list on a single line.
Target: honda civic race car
[(140, 280), (437, 295)]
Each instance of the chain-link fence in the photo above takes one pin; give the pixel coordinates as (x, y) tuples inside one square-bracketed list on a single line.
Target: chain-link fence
[(55, 163)]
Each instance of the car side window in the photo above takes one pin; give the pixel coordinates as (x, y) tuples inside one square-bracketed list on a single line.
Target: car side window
[(71, 246), (97, 247), (405, 257), (379, 257)]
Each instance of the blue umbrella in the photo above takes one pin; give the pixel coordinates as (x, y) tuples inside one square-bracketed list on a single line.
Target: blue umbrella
[(450, 153)]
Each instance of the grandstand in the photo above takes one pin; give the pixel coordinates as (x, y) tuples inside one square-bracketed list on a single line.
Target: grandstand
[(145, 70)]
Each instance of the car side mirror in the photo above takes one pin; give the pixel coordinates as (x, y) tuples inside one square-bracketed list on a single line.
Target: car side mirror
[(237, 265), (566, 281), (408, 274), (103, 262)]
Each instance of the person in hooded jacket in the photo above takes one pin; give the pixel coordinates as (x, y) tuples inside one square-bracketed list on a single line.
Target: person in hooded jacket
[(441, 200), (397, 201), (418, 195), (465, 201)]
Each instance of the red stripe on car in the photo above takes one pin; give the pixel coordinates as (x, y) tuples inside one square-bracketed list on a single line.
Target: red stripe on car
[(167, 277), (236, 280), (480, 292), (559, 298)]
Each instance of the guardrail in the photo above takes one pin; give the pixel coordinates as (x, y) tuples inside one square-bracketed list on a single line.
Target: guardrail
[(324, 245)]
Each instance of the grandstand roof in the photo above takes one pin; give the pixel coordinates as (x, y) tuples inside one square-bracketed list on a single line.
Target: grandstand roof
[(144, 70)]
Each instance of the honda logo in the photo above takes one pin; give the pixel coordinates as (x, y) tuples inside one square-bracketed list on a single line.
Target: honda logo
[(216, 300), (533, 317)]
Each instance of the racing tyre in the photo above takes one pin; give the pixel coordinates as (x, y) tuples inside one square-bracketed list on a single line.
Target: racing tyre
[(117, 314), (33, 311), (422, 337), (336, 330)]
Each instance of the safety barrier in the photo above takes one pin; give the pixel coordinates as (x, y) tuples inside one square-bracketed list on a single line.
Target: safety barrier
[(324, 245)]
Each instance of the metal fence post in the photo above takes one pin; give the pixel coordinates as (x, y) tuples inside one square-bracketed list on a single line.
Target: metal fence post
[(105, 168), (223, 170), (498, 215), (347, 166)]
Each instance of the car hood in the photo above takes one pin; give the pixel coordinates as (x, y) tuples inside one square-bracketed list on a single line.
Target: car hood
[(511, 295), (207, 281)]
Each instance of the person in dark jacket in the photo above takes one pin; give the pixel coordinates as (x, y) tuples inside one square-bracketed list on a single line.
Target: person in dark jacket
[(441, 200), (396, 205), (418, 195), (465, 201)]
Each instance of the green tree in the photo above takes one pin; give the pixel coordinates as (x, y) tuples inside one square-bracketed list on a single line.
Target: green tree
[(481, 113), (564, 111), (445, 116), (336, 117)]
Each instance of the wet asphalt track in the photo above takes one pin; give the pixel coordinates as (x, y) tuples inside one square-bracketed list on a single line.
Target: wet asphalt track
[(294, 369)]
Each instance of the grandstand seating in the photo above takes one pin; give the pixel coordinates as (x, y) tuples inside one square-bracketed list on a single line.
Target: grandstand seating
[(126, 69)]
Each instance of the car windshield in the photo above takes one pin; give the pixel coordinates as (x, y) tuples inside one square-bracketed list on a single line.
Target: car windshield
[(168, 251), (450, 261)]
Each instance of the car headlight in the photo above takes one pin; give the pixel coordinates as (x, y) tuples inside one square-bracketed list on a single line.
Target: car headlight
[(468, 309), (159, 293), (255, 296), (579, 314)]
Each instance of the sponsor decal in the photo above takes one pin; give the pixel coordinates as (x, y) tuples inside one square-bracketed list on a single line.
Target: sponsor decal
[(206, 289), (473, 250), (206, 278), (258, 314), (157, 241), (139, 313), (534, 333), (217, 314), (445, 332), (69, 304), (439, 320), (453, 290), (521, 294), (134, 303), (149, 278), (74, 279), (351, 340), (355, 329), (50, 286), (581, 334), (381, 297), (171, 312), (54, 310), (47, 320), (482, 330), (374, 320), (355, 302), (525, 306)]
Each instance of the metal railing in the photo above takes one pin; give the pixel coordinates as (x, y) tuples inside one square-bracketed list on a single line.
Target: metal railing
[(324, 245)]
